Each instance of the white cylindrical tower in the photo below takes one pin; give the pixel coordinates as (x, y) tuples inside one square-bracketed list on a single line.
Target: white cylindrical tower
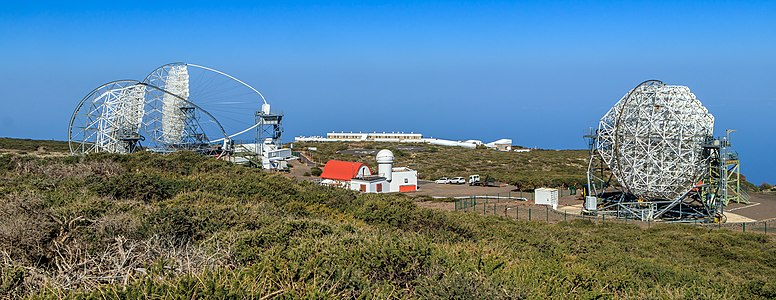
[(385, 164)]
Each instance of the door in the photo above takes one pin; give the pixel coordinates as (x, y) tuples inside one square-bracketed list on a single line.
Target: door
[(407, 188)]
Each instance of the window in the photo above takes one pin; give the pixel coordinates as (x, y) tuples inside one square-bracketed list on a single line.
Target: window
[(406, 180), (379, 187)]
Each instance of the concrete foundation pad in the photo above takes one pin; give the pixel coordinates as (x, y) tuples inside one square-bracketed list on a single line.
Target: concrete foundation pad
[(736, 218), (731, 217), (572, 209)]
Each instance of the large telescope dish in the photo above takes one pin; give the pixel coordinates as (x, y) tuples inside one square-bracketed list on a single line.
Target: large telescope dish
[(230, 100), (117, 117), (653, 138)]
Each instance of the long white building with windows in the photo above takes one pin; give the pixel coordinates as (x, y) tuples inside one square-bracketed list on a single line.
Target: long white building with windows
[(403, 137), (364, 136)]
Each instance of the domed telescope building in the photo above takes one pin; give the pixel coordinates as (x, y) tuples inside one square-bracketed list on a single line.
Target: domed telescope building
[(358, 177)]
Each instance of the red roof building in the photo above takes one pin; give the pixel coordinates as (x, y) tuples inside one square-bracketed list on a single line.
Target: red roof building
[(344, 170)]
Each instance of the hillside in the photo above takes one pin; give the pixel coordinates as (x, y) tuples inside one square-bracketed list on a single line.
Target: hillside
[(28, 145), (184, 226), (528, 169)]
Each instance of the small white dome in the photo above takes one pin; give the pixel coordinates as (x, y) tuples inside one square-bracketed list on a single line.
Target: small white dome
[(384, 156)]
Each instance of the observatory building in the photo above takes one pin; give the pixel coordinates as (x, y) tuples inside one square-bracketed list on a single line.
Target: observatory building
[(358, 177)]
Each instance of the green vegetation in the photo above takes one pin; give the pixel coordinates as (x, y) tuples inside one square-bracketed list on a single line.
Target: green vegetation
[(183, 226), (316, 171), (28, 145), (526, 170)]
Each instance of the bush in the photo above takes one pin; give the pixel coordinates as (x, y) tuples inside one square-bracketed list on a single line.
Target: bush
[(27, 228), (139, 186), (316, 171)]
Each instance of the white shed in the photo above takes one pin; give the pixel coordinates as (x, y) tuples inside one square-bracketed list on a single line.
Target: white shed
[(546, 196)]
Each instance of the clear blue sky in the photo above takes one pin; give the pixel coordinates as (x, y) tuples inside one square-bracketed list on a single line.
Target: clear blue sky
[(539, 72)]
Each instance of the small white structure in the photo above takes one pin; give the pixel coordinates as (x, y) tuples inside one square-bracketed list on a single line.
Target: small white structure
[(401, 179), (273, 157), (591, 203), (369, 184), (470, 144), (500, 145), (546, 196), (404, 180)]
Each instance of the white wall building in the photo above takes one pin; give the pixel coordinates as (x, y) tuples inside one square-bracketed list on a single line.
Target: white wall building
[(374, 136), (401, 137), (357, 176)]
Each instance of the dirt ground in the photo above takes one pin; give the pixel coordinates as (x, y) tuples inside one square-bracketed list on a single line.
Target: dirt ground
[(298, 169), (429, 188)]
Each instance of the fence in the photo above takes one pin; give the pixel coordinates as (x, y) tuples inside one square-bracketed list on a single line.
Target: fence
[(513, 206), (521, 195)]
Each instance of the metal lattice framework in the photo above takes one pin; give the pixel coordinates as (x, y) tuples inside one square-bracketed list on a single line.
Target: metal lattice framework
[(118, 115), (227, 98), (179, 106), (652, 140), (110, 119), (173, 116)]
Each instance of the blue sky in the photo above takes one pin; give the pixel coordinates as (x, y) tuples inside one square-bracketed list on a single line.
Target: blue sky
[(539, 72)]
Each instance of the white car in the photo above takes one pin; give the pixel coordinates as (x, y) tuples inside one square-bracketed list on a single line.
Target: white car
[(458, 180), (442, 180)]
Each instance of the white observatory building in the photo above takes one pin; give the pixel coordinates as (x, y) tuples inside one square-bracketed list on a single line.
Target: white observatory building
[(387, 180)]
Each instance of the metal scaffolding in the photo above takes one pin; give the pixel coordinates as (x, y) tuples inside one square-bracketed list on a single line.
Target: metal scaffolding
[(180, 106), (109, 119), (657, 144)]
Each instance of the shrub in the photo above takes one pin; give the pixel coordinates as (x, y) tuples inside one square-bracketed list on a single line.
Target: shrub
[(395, 259), (5, 163), (139, 186), (186, 226), (316, 171), (27, 228)]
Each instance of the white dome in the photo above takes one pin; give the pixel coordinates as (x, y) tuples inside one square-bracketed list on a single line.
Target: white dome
[(384, 156)]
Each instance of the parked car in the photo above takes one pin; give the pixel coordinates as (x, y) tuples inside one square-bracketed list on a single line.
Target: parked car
[(475, 180), (442, 180), (458, 180)]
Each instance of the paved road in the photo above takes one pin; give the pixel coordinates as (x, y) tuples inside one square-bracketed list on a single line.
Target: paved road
[(430, 188), (761, 207)]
